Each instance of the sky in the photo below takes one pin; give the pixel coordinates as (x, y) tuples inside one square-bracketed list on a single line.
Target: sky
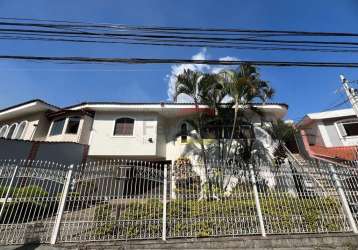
[(305, 90)]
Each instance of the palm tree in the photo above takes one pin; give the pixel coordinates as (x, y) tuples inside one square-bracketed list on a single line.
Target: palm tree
[(244, 86), (203, 89)]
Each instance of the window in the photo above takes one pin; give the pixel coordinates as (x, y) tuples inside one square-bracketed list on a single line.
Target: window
[(11, 131), (3, 131), (347, 127), (57, 127), (73, 125), (21, 130), (184, 133), (351, 129), (124, 126)]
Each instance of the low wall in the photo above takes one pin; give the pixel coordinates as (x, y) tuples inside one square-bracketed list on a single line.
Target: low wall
[(60, 152), (296, 242)]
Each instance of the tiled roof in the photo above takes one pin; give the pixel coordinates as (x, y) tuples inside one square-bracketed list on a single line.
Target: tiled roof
[(348, 153)]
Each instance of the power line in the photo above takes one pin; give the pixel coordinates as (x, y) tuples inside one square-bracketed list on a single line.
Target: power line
[(79, 32), (336, 105), (168, 28), (175, 61)]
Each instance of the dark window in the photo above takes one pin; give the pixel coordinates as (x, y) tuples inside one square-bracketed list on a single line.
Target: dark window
[(73, 125), (124, 126), (184, 133), (11, 131), (57, 127), (351, 128)]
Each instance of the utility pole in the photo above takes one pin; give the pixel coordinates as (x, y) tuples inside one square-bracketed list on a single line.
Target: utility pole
[(351, 93)]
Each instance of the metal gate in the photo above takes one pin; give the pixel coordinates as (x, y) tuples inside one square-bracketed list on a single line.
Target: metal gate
[(30, 193), (114, 200)]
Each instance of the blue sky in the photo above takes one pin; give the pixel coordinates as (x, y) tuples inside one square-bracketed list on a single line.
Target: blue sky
[(305, 90)]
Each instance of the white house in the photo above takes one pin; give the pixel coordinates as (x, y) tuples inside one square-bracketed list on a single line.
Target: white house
[(330, 134), (145, 131)]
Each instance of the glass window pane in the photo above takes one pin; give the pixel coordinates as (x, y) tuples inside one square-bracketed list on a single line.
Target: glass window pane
[(351, 129), (20, 130), (73, 125), (184, 133), (3, 130), (124, 126), (57, 127), (11, 131)]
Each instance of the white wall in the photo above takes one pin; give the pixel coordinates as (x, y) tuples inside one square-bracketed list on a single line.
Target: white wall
[(326, 133), (37, 126), (104, 143), (162, 132)]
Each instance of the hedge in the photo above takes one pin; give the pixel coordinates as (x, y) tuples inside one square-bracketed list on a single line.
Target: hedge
[(23, 205), (220, 217)]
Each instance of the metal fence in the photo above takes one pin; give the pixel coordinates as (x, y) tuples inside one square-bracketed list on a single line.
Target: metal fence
[(121, 200)]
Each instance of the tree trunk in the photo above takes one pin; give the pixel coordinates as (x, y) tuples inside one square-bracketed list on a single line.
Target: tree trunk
[(233, 127)]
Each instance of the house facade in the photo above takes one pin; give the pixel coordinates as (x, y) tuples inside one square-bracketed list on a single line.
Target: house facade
[(110, 130), (331, 134)]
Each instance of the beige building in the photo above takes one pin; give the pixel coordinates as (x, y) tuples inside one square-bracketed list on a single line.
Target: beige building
[(150, 131)]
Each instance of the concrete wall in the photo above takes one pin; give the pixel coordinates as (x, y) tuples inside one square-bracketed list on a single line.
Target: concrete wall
[(333, 135), (86, 129), (162, 132), (64, 153), (313, 135), (326, 134), (104, 143), (14, 149)]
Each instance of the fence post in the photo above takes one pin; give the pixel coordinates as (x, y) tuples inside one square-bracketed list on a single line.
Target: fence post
[(61, 207), (164, 230), (257, 200), (8, 191), (172, 181), (343, 199)]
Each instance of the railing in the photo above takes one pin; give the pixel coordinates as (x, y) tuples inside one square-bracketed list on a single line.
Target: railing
[(122, 200)]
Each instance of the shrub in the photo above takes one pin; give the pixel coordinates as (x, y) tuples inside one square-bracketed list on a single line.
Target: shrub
[(194, 218), (29, 192), (25, 204)]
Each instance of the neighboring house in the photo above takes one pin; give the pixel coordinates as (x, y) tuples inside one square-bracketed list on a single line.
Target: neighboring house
[(110, 130), (331, 134)]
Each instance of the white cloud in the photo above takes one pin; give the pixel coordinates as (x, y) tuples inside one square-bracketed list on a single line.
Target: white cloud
[(178, 69)]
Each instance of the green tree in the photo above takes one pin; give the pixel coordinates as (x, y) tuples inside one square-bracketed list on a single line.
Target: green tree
[(244, 86), (203, 89)]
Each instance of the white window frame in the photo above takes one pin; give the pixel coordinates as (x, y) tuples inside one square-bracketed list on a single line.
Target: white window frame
[(23, 132), (63, 129), (124, 136), (15, 130), (6, 130), (347, 121)]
